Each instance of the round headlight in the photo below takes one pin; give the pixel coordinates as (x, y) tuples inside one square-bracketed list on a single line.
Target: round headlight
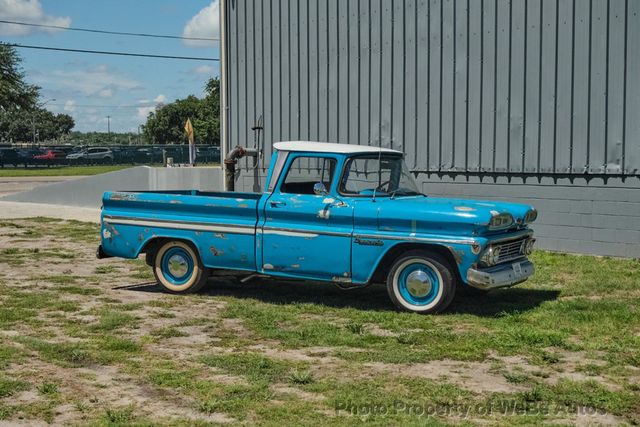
[(530, 216), (500, 221)]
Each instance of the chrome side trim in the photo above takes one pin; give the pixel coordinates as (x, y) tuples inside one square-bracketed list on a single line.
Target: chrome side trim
[(181, 225), (415, 239), (249, 229), (303, 233)]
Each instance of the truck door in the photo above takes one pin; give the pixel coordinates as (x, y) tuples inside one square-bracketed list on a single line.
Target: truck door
[(307, 231)]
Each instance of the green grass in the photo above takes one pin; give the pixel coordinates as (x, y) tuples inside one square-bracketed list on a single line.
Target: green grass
[(112, 320), (301, 377), (169, 333), (118, 416), (68, 354), (9, 387), (60, 171), (285, 353), (49, 389)]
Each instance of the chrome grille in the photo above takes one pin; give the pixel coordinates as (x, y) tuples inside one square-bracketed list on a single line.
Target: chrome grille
[(511, 250)]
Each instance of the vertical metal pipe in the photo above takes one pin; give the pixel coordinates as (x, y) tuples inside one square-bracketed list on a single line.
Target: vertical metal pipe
[(224, 144)]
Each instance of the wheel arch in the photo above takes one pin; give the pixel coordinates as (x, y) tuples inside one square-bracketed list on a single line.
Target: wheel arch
[(386, 261), (153, 244)]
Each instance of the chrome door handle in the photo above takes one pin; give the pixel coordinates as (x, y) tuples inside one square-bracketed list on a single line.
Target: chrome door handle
[(277, 204)]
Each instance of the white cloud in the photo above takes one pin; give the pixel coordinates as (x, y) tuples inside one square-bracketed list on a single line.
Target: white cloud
[(70, 106), (159, 99), (97, 81), (143, 112), (206, 24), (28, 11), (203, 69)]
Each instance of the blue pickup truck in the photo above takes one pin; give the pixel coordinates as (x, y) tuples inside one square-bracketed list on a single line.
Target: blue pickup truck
[(346, 214)]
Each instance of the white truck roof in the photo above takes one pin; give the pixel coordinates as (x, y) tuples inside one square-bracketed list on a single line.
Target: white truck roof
[(328, 147)]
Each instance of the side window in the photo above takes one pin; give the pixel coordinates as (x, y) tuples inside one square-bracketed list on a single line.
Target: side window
[(305, 172)]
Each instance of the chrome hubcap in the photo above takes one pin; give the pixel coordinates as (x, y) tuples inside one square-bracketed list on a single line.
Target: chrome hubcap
[(418, 284), (178, 265)]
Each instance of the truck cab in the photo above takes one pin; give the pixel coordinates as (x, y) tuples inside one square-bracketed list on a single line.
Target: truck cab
[(348, 214)]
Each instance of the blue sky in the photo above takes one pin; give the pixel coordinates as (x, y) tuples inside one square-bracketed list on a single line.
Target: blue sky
[(91, 87)]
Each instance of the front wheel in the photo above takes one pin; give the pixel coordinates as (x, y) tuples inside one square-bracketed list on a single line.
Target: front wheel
[(178, 268), (421, 282)]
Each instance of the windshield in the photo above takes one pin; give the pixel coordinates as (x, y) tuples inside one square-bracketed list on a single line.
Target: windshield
[(385, 176)]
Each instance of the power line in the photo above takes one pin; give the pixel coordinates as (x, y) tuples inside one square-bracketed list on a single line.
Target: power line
[(104, 106), (105, 52), (119, 33)]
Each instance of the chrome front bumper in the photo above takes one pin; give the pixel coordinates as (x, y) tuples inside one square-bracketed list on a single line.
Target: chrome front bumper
[(500, 276)]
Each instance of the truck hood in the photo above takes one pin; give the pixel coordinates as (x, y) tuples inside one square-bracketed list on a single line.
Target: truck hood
[(446, 216)]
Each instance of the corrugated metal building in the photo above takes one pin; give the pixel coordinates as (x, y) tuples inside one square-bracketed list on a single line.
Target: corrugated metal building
[(526, 100)]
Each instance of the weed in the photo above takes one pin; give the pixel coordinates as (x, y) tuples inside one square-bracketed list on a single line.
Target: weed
[(48, 388), (301, 377)]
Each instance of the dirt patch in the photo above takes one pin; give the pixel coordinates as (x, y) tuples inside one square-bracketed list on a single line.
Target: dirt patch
[(473, 376), (315, 355), (376, 330), (283, 389), (98, 388), (567, 368)]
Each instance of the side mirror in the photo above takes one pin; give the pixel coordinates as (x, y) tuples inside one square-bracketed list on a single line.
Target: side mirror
[(319, 189)]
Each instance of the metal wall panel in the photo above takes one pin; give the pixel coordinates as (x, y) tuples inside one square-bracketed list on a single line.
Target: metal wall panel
[(501, 87)]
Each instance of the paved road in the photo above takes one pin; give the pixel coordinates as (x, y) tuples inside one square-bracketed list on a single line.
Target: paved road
[(11, 185)]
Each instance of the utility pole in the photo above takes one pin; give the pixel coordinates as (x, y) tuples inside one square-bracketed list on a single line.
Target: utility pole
[(33, 117), (109, 126)]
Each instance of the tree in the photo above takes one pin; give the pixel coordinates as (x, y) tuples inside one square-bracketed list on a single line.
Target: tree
[(15, 93), (21, 118), (166, 124), (19, 125)]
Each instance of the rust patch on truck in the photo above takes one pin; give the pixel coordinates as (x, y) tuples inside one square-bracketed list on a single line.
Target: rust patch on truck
[(112, 229), (457, 255), (124, 197), (215, 251)]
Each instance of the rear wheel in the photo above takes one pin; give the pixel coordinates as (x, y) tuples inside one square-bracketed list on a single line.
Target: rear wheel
[(421, 282), (178, 268)]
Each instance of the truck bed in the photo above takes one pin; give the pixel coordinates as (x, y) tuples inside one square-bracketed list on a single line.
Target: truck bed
[(220, 225)]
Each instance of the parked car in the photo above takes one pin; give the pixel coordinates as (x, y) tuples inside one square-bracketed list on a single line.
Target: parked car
[(9, 157), (143, 155), (92, 155), (26, 156), (347, 214), (208, 154), (50, 157)]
